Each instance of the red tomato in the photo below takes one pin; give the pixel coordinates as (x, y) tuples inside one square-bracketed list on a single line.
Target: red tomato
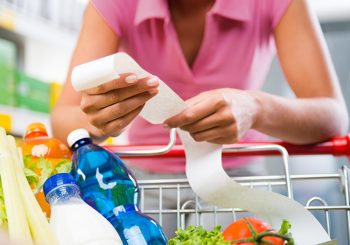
[(239, 230)]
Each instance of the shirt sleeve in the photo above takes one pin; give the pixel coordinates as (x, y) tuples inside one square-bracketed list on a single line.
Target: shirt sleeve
[(278, 9), (112, 13)]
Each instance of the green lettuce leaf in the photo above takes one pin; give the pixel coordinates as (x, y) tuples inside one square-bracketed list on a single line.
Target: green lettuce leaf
[(193, 235), (64, 166), (3, 216), (45, 167)]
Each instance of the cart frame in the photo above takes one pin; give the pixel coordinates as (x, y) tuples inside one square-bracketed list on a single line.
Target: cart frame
[(339, 146)]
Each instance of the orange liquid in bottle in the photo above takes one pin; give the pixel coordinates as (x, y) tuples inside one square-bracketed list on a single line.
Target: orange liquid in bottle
[(42, 154)]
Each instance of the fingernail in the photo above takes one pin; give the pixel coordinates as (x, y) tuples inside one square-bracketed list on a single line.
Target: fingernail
[(153, 81), (131, 79), (166, 125)]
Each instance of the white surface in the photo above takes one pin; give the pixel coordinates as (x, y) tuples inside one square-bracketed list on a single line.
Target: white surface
[(35, 28), (76, 135), (204, 168), (46, 61), (20, 118), (76, 223), (331, 10)]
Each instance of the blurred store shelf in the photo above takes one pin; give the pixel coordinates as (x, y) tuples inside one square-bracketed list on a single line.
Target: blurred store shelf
[(331, 10), (58, 21), (15, 120), (53, 21)]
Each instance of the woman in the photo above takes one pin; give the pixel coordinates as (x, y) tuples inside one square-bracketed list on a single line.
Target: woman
[(215, 55)]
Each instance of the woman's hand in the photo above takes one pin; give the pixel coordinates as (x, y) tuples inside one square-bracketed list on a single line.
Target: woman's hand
[(112, 106), (220, 116)]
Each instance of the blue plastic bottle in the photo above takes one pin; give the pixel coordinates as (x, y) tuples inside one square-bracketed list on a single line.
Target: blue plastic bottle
[(108, 186)]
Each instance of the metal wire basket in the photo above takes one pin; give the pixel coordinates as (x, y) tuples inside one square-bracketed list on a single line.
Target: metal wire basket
[(325, 195)]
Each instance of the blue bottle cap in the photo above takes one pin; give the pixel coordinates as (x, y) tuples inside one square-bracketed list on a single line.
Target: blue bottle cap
[(58, 180)]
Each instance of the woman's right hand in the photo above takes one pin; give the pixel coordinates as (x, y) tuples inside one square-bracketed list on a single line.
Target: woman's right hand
[(112, 106)]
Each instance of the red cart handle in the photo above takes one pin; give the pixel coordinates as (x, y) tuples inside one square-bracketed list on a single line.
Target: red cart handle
[(337, 146)]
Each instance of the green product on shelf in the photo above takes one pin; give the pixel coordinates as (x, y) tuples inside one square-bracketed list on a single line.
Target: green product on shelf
[(32, 93), (7, 86), (7, 72), (7, 53)]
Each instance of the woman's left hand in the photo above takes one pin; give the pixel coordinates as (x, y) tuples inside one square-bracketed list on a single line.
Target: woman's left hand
[(220, 116)]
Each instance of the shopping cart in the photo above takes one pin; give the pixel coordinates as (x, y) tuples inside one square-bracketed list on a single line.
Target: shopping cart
[(327, 195)]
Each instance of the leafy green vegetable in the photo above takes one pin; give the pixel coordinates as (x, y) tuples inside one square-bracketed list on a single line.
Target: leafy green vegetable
[(199, 236), (3, 216), (44, 166), (62, 167), (35, 180), (31, 176)]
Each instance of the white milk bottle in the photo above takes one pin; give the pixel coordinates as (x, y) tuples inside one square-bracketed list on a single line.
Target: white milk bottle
[(73, 221)]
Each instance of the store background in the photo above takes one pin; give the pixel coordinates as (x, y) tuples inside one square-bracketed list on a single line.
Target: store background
[(37, 38)]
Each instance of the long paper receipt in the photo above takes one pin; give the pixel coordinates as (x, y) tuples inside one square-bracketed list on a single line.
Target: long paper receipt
[(203, 160)]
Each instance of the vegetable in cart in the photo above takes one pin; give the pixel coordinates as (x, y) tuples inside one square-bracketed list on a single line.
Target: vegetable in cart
[(25, 220)]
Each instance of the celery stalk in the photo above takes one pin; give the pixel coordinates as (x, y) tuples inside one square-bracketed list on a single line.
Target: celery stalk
[(18, 227), (39, 226)]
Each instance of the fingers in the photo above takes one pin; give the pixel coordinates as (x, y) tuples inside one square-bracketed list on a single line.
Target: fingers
[(209, 118), (196, 112), (102, 117), (90, 103), (217, 135), (112, 106), (221, 118), (115, 127), (125, 80), (223, 141)]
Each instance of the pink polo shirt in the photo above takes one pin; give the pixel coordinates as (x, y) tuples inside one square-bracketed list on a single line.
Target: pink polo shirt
[(236, 52)]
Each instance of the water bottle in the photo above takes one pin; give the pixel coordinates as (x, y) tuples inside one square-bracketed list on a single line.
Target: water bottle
[(73, 221), (108, 186)]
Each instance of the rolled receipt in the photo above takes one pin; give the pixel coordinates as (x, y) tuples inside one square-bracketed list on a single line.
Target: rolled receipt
[(203, 160)]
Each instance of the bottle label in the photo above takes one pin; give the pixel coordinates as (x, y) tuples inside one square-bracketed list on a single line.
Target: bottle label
[(40, 150), (134, 236)]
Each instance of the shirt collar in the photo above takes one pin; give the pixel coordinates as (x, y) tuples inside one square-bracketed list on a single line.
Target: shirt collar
[(151, 9), (240, 10), (158, 9)]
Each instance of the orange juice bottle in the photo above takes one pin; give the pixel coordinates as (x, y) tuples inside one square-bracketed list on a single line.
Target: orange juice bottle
[(43, 156)]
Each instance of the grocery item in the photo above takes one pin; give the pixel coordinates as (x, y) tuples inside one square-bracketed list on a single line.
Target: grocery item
[(245, 231), (43, 156), (18, 227), (193, 235), (8, 52), (73, 221), (108, 186), (32, 93), (250, 231), (25, 220)]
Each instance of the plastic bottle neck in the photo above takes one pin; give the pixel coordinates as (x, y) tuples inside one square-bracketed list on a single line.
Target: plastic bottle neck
[(63, 193), (80, 143), (35, 130), (35, 134)]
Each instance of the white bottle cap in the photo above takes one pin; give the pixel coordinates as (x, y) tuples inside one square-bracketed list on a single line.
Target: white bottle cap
[(76, 135)]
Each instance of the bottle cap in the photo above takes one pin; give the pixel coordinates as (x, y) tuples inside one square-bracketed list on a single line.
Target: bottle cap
[(35, 129), (76, 135), (58, 180)]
